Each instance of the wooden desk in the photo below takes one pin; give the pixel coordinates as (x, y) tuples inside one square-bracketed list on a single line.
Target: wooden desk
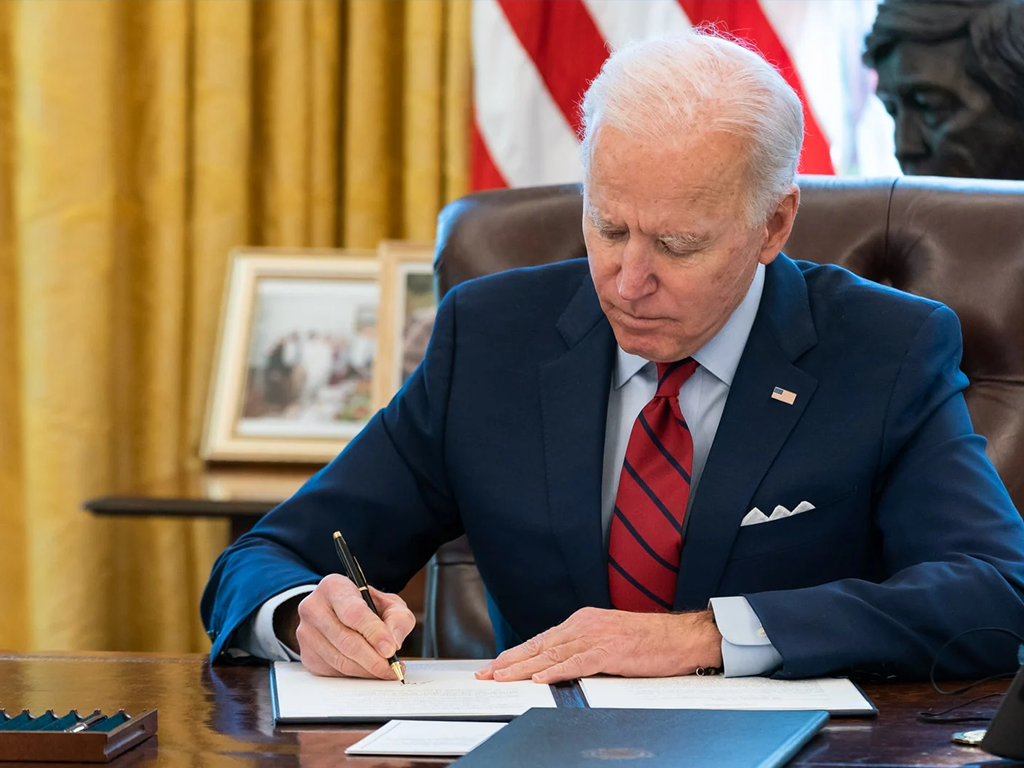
[(221, 716)]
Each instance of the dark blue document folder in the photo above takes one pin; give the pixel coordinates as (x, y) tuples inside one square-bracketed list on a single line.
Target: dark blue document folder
[(564, 738)]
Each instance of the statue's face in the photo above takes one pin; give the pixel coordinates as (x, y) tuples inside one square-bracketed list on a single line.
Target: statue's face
[(946, 123)]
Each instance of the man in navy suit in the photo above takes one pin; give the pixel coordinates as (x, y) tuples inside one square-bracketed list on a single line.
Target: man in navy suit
[(823, 503)]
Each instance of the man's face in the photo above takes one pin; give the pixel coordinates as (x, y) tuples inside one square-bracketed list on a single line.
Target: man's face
[(946, 123), (670, 250)]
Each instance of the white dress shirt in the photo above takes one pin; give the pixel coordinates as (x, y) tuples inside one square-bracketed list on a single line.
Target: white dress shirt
[(746, 649)]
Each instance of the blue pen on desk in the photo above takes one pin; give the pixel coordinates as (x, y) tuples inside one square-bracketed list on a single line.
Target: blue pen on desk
[(359, 579)]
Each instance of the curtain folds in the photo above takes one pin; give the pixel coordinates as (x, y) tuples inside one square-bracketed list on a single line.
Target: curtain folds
[(140, 140)]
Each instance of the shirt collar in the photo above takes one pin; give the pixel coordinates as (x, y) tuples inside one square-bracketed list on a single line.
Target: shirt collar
[(721, 355)]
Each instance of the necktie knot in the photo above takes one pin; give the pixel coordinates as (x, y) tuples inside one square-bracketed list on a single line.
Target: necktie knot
[(671, 376)]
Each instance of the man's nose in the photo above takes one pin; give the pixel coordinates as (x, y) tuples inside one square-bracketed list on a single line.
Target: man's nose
[(636, 278), (910, 136)]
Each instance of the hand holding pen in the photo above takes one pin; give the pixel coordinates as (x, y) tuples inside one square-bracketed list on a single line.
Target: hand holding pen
[(336, 631), (355, 573)]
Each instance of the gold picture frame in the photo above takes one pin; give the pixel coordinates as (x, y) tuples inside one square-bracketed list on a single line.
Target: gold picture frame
[(406, 318), (292, 377)]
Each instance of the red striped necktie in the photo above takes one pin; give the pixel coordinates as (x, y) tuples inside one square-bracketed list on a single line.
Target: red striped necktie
[(646, 532)]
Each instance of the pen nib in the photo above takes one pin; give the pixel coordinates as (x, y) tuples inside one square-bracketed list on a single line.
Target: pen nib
[(398, 671)]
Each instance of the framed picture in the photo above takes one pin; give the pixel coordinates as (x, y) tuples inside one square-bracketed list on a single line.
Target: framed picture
[(407, 308), (293, 373)]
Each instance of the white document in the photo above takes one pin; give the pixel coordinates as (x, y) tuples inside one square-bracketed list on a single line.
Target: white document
[(426, 738), (445, 690), (837, 695)]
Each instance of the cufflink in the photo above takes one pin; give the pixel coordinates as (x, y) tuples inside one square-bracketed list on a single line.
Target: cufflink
[(707, 671)]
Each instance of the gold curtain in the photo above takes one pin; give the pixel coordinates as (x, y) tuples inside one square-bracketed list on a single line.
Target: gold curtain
[(140, 140)]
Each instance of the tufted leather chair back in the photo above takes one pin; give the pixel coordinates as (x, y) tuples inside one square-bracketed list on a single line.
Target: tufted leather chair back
[(957, 241)]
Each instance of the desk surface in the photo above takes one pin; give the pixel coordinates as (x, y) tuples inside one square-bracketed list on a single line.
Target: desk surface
[(221, 716)]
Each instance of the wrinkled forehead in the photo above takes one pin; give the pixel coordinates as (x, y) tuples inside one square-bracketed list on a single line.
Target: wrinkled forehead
[(701, 171)]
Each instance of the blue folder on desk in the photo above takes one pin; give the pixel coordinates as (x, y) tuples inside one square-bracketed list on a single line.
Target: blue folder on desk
[(566, 738)]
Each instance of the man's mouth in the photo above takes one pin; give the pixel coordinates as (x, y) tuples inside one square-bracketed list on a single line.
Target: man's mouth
[(637, 320)]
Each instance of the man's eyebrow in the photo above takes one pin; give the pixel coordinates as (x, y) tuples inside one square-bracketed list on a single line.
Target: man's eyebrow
[(599, 220), (689, 241)]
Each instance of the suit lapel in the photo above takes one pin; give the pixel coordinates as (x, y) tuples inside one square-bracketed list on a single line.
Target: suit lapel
[(752, 431), (574, 405)]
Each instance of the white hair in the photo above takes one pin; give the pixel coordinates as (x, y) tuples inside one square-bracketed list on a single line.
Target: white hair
[(671, 88)]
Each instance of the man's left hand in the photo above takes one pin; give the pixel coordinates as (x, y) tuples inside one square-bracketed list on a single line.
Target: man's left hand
[(594, 640)]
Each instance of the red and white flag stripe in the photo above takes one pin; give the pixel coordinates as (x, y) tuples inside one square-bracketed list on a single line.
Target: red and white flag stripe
[(533, 59)]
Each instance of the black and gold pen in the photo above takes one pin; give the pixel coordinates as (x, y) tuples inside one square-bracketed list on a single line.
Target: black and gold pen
[(355, 572)]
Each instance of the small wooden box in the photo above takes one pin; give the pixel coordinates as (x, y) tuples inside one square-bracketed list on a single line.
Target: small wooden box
[(23, 738)]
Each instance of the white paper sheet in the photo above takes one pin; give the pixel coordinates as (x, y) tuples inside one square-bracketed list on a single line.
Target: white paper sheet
[(426, 738), (433, 689), (837, 695)]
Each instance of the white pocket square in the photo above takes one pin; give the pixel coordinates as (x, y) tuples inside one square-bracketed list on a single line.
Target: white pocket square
[(756, 516)]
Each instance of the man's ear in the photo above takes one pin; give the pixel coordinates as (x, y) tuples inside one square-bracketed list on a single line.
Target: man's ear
[(779, 225)]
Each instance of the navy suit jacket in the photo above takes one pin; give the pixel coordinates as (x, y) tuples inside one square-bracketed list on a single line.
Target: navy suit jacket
[(500, 434)]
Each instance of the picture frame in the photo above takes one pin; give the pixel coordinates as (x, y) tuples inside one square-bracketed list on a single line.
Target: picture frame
[(292, 379), (408, 303)]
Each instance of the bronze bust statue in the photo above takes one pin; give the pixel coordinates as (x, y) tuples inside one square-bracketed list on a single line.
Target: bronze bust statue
[(951, 73)]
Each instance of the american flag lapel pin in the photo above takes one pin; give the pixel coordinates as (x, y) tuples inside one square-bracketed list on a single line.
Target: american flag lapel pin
[(783, 395)]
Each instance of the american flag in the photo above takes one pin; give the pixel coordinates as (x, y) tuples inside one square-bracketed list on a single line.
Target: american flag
[(533, 59)]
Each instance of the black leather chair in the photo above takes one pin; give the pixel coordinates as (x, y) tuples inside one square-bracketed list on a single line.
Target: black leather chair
[(958, 241)]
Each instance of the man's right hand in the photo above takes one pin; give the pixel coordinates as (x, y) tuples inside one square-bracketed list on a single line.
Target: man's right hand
[(337, 634)]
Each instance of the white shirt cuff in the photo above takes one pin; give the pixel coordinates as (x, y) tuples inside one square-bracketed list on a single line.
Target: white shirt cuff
[(255, 636), (746, 649)]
